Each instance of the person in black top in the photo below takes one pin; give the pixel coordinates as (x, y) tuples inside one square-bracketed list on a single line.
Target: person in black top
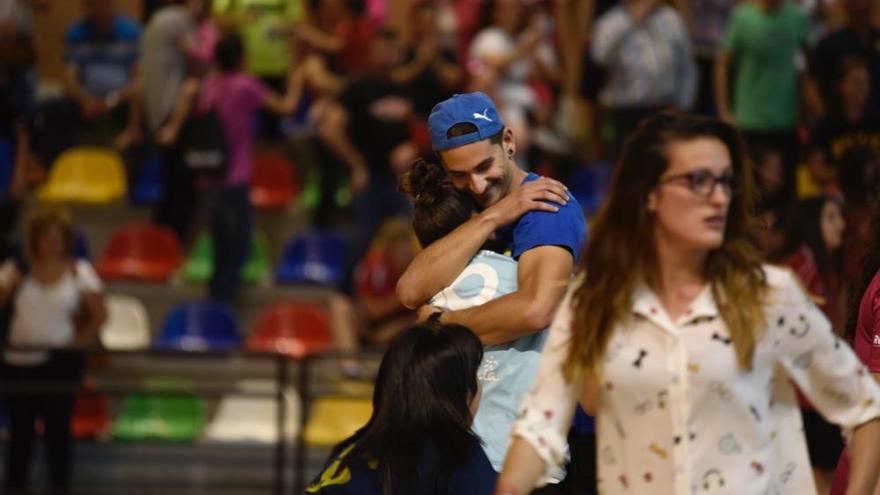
[(430, 70), (419, 438), (366, 130), (857, 37), (849, 120)]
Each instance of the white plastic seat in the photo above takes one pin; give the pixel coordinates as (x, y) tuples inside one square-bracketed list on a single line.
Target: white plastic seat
[(254, 419), (127, 326)]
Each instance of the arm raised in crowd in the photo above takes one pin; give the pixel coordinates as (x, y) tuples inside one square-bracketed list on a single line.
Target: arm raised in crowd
[(722, 62), (288, 102), (436, 266)]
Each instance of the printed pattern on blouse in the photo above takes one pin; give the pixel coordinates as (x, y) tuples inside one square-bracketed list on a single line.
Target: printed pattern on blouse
[(675, 413)]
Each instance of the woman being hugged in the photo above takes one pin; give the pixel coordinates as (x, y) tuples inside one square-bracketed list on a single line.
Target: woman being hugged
[(682, 341)]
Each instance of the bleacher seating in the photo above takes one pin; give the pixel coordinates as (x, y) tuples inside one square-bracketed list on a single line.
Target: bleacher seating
[(199, 265), (127, 326), (292, 329), (141, 252), (172, 414), (273, 185), (254, 419), (316, 257), (88, 175), (200, 326)]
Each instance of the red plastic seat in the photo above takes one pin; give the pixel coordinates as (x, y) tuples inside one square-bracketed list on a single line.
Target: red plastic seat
[(91, 415), (273, 185), (141, 252), (293, 329)]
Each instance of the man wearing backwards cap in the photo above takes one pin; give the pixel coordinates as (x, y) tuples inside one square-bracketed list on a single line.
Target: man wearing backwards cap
[(532, 216)]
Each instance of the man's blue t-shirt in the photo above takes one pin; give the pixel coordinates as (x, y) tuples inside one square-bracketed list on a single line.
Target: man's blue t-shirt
[(565, 228)]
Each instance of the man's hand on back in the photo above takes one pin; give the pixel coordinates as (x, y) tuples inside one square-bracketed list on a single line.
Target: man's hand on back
[(537, 195)]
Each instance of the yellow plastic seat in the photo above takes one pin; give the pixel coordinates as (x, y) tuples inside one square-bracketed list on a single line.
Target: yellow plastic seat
[(332, 420), (86, 175)]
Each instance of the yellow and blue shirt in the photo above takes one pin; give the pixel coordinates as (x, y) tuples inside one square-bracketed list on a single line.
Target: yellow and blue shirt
[(476, 477)]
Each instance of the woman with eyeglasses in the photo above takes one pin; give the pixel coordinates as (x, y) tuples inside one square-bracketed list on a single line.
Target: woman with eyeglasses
[(682, 341)]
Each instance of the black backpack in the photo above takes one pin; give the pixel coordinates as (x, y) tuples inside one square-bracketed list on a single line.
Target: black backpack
[(203, 146)]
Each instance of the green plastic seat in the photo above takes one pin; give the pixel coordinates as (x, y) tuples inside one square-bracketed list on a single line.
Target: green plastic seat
[(169, 418), (200, 264), (310, 196), (311, 193)]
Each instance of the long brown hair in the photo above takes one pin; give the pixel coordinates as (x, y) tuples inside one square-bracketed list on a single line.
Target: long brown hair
[(620, 252)]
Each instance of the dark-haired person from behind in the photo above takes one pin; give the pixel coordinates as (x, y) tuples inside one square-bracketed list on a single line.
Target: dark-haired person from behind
[(419, 438)]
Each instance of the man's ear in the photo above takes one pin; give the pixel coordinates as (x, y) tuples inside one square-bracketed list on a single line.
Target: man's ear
[(508, 142)]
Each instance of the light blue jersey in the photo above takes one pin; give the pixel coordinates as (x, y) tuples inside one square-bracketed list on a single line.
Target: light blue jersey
[(507, 370)]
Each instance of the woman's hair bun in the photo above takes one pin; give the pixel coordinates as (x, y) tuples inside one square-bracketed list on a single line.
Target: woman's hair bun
[(424, 182)]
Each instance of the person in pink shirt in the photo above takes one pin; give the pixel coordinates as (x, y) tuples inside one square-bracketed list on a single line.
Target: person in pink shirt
[(236, 97), (863, 330)]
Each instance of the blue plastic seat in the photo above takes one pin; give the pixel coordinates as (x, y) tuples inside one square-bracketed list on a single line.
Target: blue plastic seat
[(147, 189), (313, 257), (200, 326)]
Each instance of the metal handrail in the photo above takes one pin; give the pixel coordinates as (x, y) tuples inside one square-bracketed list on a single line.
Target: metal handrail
[(282, 380)]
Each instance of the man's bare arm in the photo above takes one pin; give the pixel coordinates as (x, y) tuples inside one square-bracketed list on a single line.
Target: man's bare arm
[(543, 275), (436, 266), (722, 65), (439, 264)]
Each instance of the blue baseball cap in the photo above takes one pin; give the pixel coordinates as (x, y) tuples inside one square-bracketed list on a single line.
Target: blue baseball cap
[(473, 108)]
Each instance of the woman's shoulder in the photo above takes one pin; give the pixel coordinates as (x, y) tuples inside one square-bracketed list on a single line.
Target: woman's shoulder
[(85, 275), (476, 477), (783, 284), (777, 276), (354, 478)]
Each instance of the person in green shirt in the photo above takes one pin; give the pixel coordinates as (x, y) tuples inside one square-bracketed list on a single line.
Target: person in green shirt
[(264, 26), (763, 40)]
